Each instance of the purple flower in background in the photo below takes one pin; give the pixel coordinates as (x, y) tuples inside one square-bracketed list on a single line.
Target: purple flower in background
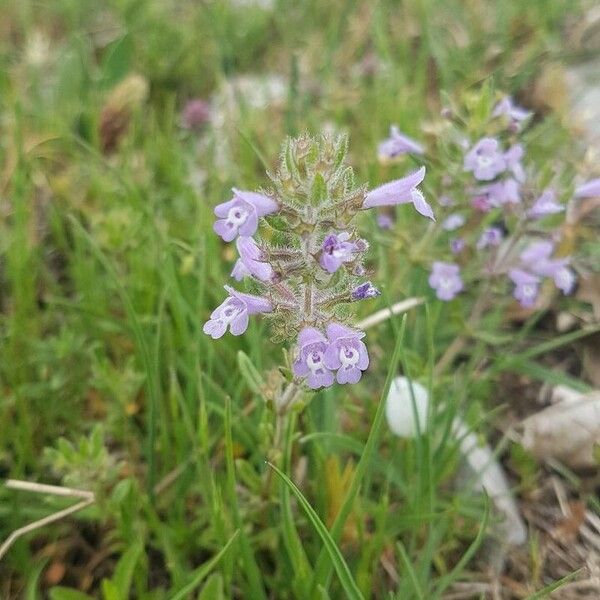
[(513, 158), (310, 362), (401, 191), (457, 245), (196, 113), (500, 193), (546, 204), (398, 144), (564, 279), (445, 279), (446, 200), (590, 189), (346, 352), (536, 257), (336, 251), (526, 287), (485, 159), (453, 221), (233, 313), (515, 113), (492, 236), (240, 214), (364, 291), (252, 258), (385, 221), (481, 203)]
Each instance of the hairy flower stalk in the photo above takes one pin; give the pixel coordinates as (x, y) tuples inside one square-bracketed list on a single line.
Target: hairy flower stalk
[(299, 250)]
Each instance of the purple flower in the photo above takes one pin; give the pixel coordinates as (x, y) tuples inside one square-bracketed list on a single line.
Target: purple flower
[(251, 258), (446, 200), (546, 204), (590, 189), (401, 191), (239, 270), (515, 113), (336, 251), (536, 257), (385, 221), (526, 287), (240, 214), (564, 279), (492, 236), (346, 352), (500, 193), (513, 158), (233, 313), (481, 203), (445, 279), (364, 291), (195, 113), (310, 362), (457, 245), (453, 221), (398, 144), (485, 159)]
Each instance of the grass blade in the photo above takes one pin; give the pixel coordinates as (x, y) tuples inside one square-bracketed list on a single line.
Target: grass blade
[(339, 564), (204, 570)]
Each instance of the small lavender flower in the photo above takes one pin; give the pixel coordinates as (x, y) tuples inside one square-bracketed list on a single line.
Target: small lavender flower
[(233, 313), (401, 191), (546, 204), (365, 290), (513, 157), (485, 159), (240, 214), (239, 271), (310, 362), (445, 279), (515, 114), (492, 236), (501, 193), (337, 250), (564, 279), (453, 221), (346, 353), (385, 221), (526, 287), (457, 245), (482, 203), (590, 189), (398, 144), (446, 200), (196, 113), (253, 259), (536, 257)]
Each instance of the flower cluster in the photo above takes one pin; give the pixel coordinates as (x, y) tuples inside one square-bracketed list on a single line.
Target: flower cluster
[(299, 249), (506, 226)]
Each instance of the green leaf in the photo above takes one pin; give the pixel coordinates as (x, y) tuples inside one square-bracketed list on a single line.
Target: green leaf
[(110, 591), (63, 593), (318, 192), (339, 564), (213, 589), (204, 570), (117, 62), (250, 373), (125, 568)]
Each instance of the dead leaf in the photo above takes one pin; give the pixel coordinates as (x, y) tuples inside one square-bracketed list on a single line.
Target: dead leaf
[(565, 431)]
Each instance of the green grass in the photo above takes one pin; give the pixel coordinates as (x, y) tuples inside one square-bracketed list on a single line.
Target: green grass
[(109, 268)]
